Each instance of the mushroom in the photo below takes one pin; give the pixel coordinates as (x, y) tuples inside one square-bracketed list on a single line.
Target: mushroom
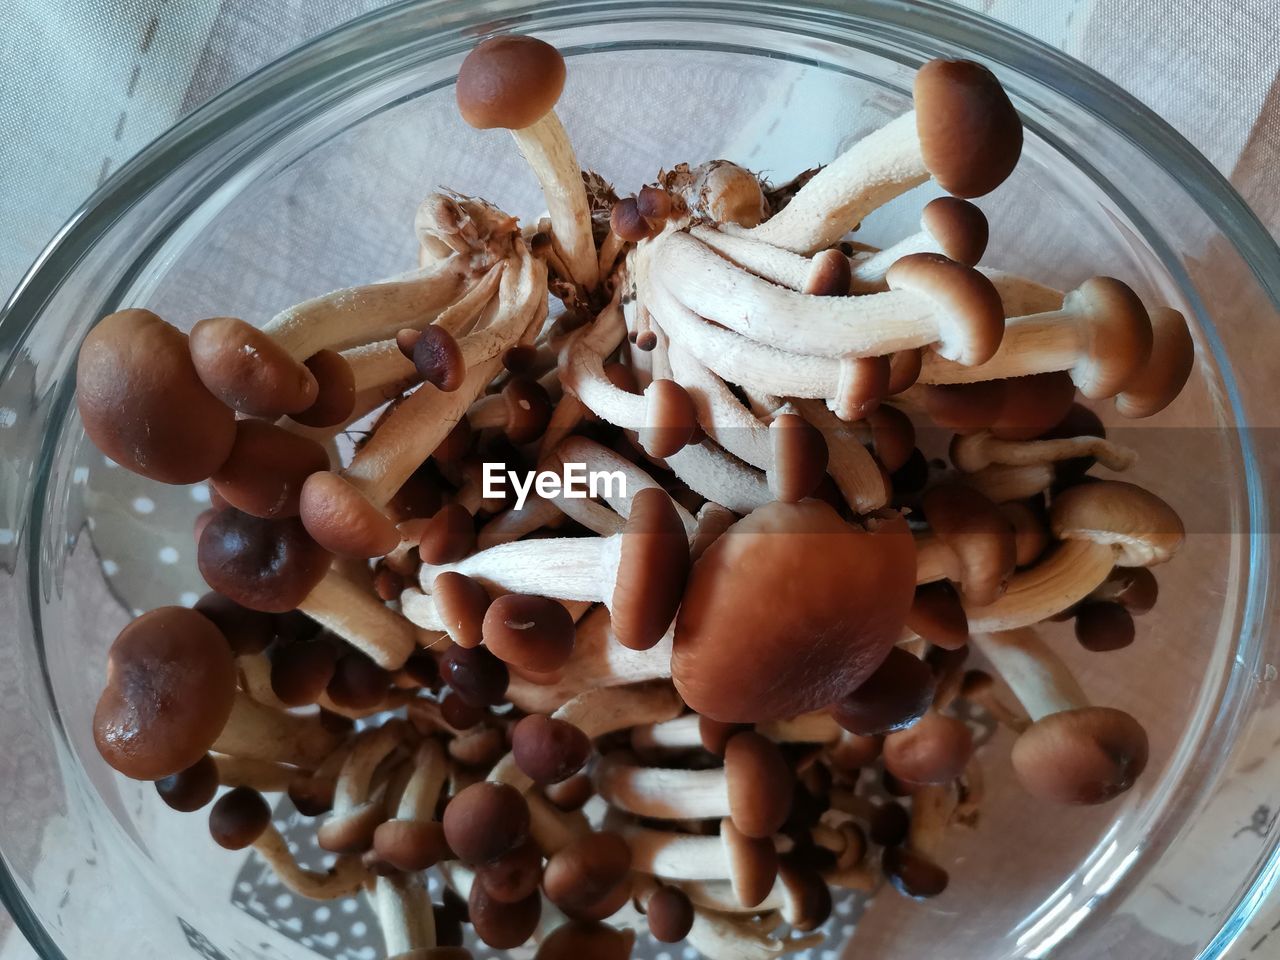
[(734, 660), (638, 573), (405, 914), (188, 790), (530, 633), (265, 776), (754, 788), (970, 543), (750, 864), (1173, 355), (1102, 336), (1017, 408), (691, 732), (143, 405), (949, 226), (486, 821), (514, 82), (718, 190), (1001, 483), (548, 750), (521, 410), (895, 696), (343, 511), (413, 840), (1101, 525), (265, 470), (964, 133), (1072, 752), (937, 616), (932, 300), (357, 807), (934, 749), (853, 468), (976, 451), (670, 914), (913, 868), (583, 878)]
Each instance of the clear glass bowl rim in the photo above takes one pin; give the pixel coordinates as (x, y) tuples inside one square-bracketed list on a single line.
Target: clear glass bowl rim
[(362, 41)]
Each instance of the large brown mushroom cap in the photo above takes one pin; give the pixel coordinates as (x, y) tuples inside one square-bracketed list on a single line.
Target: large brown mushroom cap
[(970, 134), (577, 940), (528, 632), (248, 371), (142, 403), (171, 681), (549, 750), (1085, 756), (652, 570), (486, 821), (510, 82), (789, 610), (267, 565), (761, 785), (979, 535), (895, 696), (970, 312), (267, 466), (342, 520), (1143, 529)]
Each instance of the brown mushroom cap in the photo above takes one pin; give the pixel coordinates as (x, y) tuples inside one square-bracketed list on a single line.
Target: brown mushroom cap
[(267, 565), (583, 940), (958, 227), (1103, 626), (1173, 355), (503, 926), (760, 784), (486, 821), (528, 409), (475, 675), (335, 390), (247, 631), (889, 824), (979, 535), (1117, 334), (357, 682), (459, 714), (1085, 756), (904, 369), (301, 670), (652, 570), (438, 359), (190, 789), (893, 437), (248, 371), (586, 871), (845, 592), (938, 615), (753, 864), (913, 875), (510, 82), (238, 819), (1143, 529), (463, 605), (142, 403), (808, 898), (627, 222), (935, 749), (411, 845), (529, 632), (549, 750), (715, 736), (671, 418), (799, 457), (1018, 408), (895, 696), (670, 915), (970, 134), (264, 473), (342, 520), (970, 312), (448, 535), (851, 752), (1135, 588), (830, 274), (513, 876), (654, 203), (171, 681), (1030, 529)]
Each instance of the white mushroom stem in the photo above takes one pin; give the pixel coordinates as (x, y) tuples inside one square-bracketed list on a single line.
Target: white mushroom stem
[(721, 415), (599, 662), (663, 794), (932, 808), (378, 365), (716, 474), (1002, 483), (1068, 574), (346, 876), (404, 913), (1037, 676), (553, 829), (546, 148), (257, 732), (678, 856), (264, 776), (772, 263), (361, 619), (869, 326), (853, 468), (566, 568), (869, 269), (877, 168), (413, 430), (374, 311), (974, 451), (684, 733), (718, 895)]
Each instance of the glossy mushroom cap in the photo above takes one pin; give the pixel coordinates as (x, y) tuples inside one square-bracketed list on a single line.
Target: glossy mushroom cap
[(652, 570), (753, 864), (1084, 756), (1143, 529), (463, 604), (190, 789), (335, 390), (936, 749), (970, 134), (845, 594), (830, 275), (438, 359), (342, 520), (586, 871), (580, 940), (627, 222), (549, 750), (799, 457), (979, 535), (142, 403), (267, 565), (897, 695), (238, 819), (913, 875), (938, 616), (958, 227), (486, 821), (248, 371), (171, 681), (476, 675), (654, 203), (1173, 355), (760, 784), (530, 633), (411, 845), (1116, 334), (670, 915), (264, 473), (528, 409), (970, 312), (503, 926), (671, 419), (510, 82), (357, 682)]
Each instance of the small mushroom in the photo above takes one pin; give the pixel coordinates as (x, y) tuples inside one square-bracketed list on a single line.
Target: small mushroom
[(357, 808), (670, 914), (447, 535), (548, 750), (935, 749), (583, 877), (1173, 355), (264, 473), (528, 632), (720, 191), (1072, 752), (514, 82), (521, 410), (413, 839), (188, 790), (486, 821), (949, 226), (971, 543), (142, 403), (895, 696), (912, 868)]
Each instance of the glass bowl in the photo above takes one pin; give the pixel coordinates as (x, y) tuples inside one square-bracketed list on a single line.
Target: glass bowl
[(304, 178)]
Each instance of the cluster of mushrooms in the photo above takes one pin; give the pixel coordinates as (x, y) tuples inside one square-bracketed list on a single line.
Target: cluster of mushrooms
[(665, 710)]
